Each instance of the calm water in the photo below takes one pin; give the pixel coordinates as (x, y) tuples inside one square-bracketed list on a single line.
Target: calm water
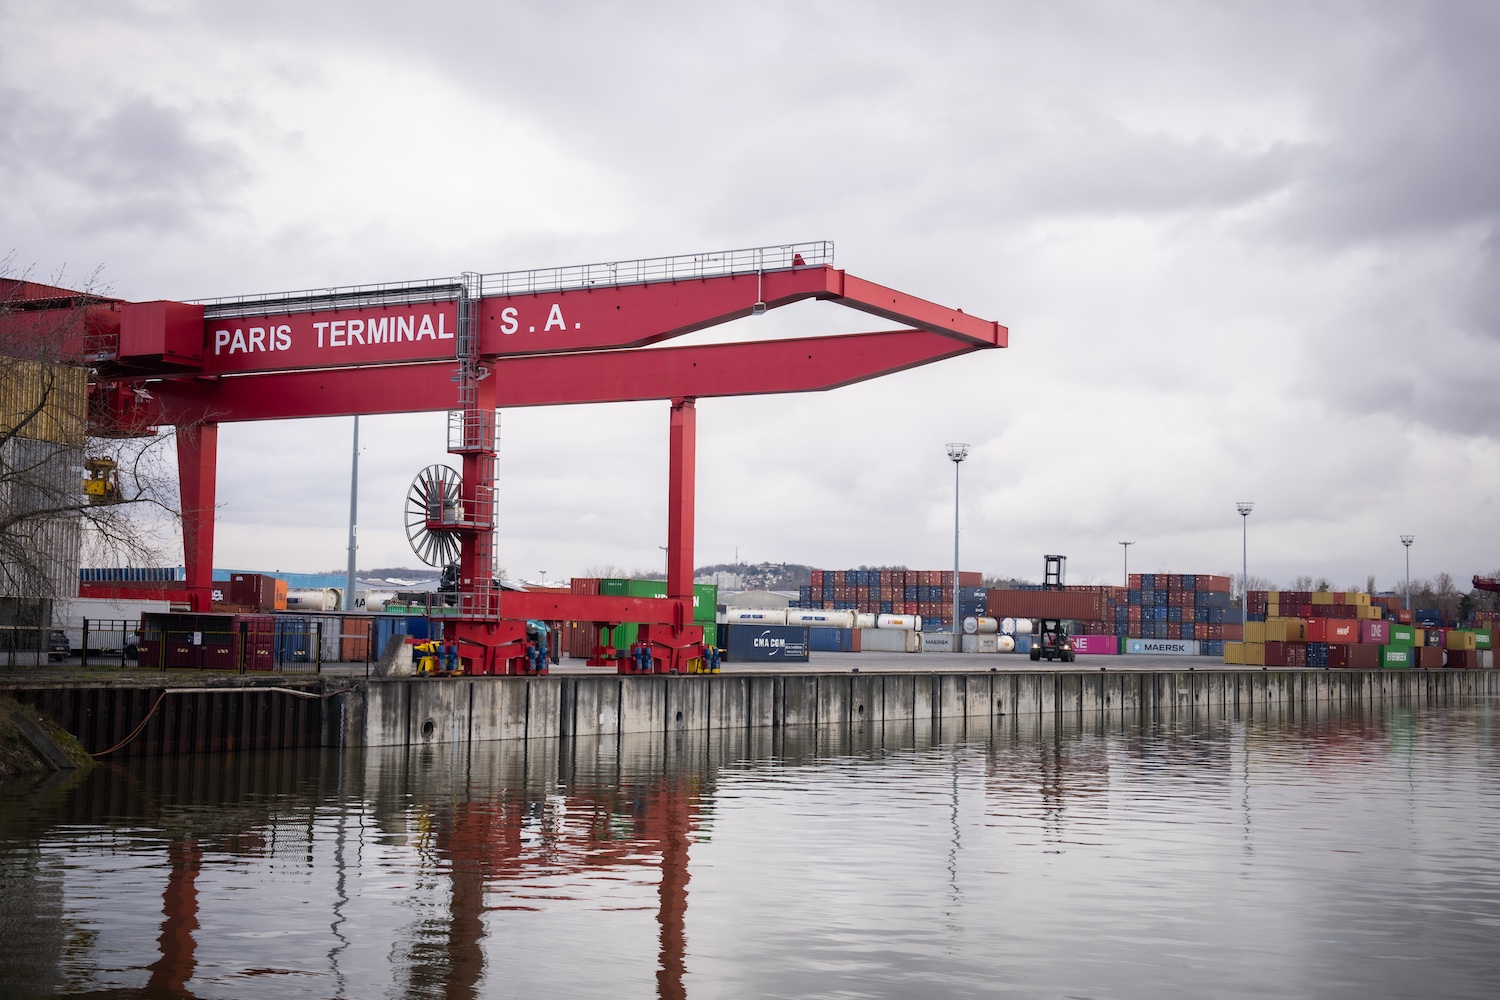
[(1348, 855)]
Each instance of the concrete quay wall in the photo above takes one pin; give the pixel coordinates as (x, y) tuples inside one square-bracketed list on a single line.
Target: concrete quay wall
[(472, 709)]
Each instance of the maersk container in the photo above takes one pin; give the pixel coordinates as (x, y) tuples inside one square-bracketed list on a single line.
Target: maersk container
[(760, 616), (822, 619), (981, 626), (939, 642), (1162, 647)]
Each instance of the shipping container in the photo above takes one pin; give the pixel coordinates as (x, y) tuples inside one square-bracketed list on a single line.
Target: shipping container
[(821, 639), (1160, 647), (766, 643), (1096, 645), (1397, 657), (890, 640), (207, 641)]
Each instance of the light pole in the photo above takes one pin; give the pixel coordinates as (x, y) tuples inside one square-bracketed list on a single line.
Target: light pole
[(1245, 507), (1406, 541), (1127, 546), (956, 452)]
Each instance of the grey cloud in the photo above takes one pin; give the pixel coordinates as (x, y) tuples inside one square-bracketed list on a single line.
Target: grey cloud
[(134, 164)]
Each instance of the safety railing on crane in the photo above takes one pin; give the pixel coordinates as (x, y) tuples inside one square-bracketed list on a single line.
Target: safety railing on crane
[(714, 264)]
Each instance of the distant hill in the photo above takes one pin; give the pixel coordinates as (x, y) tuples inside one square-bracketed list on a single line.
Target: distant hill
[(758, 576)]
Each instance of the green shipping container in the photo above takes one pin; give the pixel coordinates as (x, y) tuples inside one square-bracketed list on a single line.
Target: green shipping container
[(705, 604), (705, 595), (1484, 639), (1397, 657), (1403, 635)]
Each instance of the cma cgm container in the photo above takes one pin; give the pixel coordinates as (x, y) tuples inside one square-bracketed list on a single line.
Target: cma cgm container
[(766, 643), (208, 641)]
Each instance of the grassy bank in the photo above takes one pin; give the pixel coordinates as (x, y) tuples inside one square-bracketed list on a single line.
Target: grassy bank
[(18, 756)]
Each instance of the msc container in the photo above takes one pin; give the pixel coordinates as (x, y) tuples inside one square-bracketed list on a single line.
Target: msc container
[(766, 643), (1096, 645), (822, 619), (1162, 647), (889, 640), (981, 626)]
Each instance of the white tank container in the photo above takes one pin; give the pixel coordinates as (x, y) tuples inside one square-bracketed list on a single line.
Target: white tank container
[(1007, 626), (372, 600), (755, 616), (820, 619), (1005, 644), (1023, 626), (315, 599), (981, 626), (908, 622), (864, 619)]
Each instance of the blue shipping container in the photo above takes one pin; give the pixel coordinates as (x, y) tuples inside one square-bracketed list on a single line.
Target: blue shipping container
[(766, 643), (830, 640)]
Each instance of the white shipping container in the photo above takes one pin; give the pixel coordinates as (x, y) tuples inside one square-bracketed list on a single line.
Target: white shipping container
[(756, 616), (981, 626), (890, 640), (68, 614), (987, 643)]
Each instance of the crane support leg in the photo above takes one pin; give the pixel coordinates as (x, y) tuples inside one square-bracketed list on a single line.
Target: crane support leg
[(682, 475), (197, 473)]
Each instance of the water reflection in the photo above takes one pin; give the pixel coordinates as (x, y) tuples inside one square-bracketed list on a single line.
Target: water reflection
[(876, 860)]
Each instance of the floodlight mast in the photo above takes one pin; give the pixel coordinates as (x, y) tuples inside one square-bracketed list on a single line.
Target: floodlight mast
[(957, 452), (1406, 541), (1245, 507)]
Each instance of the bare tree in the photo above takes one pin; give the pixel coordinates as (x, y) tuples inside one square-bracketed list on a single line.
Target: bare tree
[(1303, 582), (48, 514), (1237, 589)]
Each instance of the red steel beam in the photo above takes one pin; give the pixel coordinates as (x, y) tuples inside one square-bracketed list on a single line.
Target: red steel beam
[(808, 364), (682, 477)]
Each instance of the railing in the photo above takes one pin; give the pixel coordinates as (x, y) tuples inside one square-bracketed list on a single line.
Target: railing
[(647, 270), (715, 264), (346, 297)]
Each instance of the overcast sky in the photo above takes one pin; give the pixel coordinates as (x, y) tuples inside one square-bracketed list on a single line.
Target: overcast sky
[(1244, 252)]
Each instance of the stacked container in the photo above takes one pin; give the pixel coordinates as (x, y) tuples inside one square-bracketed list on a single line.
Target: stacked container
[(579, 638), (924, 593)]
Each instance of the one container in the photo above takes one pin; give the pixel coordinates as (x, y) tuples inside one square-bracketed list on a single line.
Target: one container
[(766, 643), (981, 626), (1377, 633), (1096, 645)]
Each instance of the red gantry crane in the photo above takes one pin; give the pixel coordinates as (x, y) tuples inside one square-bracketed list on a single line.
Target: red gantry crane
[(479, 342)]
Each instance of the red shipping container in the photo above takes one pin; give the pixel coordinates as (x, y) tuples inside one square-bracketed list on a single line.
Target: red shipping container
[(1428, 657), (968, 578), (817, 579), (1354, 656), (1377, 632), (1340, 631), (1462, 659), (1135, 581), (1317, 630)]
